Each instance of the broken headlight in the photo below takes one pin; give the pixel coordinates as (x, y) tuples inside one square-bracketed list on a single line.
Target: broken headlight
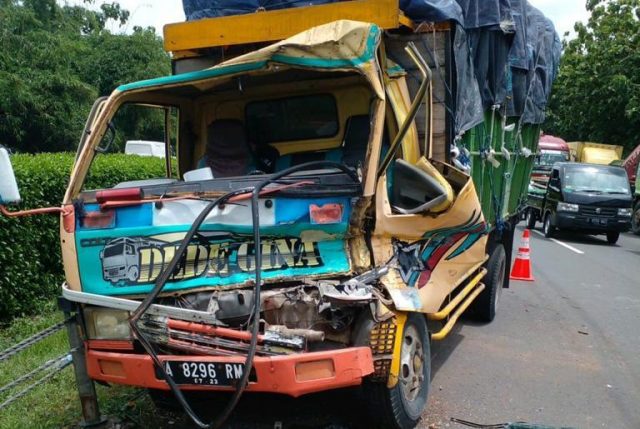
[(107, 324)]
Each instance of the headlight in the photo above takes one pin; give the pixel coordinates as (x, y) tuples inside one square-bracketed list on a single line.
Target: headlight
[(624, 212), (107, 324), (566, 207)]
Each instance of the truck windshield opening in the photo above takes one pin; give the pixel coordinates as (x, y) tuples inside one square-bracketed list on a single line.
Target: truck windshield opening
[(591, 179)]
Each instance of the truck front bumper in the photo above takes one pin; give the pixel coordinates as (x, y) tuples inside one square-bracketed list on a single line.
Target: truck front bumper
[(292, 375), (592, 225)]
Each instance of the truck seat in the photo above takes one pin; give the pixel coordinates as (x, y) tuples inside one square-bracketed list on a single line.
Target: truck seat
[(352, 151), (286, 161), (228, 153)]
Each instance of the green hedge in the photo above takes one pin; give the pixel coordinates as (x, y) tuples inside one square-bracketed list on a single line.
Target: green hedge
[(30, 262)]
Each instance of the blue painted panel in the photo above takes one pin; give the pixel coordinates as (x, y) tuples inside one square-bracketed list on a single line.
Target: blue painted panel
[(127, 260), (140, 215)]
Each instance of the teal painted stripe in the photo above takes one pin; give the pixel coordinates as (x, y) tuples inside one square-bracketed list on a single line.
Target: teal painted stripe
[(373, 39), (369, 53), (337, 231), (193, 76), (395, 70), (466, 244)]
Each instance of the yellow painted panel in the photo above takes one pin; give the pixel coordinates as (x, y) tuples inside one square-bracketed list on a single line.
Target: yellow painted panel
[(401, 319), (398, 97), (275, 24)]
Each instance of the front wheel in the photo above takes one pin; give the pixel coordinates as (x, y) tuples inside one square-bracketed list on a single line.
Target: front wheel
[(401, 406), (548, 227), (132, 275), (635, 219), (612, 237), (531, 218)]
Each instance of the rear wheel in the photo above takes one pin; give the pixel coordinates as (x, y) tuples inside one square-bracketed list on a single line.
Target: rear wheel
[(486, 304), (548, 227), (531, 218), (635, 219), (401, 406), (612, 237)]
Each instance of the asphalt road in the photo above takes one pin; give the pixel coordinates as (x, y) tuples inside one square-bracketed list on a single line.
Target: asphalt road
[(563, 350)]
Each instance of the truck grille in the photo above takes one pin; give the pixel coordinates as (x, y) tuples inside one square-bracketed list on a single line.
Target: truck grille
[(599, 211), (382, 340)]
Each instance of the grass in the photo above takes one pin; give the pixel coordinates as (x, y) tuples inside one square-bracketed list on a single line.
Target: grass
[(55, 404)]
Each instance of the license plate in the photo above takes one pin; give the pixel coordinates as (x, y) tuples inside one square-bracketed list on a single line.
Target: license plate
[(203, 373), (597, 221)]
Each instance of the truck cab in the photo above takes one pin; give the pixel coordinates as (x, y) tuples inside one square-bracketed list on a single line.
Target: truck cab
[(551, 149), (583, 198)]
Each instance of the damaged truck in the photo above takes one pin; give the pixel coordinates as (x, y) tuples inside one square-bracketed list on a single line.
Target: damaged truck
[(347, 180)]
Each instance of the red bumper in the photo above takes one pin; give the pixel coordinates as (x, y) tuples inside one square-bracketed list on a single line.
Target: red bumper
[(292, 375)]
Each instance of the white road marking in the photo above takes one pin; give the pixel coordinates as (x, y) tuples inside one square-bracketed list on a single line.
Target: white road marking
[(535, 231), (573, 249)]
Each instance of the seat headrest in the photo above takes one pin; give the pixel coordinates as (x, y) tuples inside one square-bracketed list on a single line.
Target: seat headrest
[(227, 150)]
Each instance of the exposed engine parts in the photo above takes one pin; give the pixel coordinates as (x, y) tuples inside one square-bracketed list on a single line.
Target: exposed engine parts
[(293, 318)]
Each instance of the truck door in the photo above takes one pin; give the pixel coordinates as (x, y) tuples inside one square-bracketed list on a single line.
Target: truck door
[(554, 192)]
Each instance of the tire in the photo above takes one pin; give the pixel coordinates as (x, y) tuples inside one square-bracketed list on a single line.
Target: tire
[(612, 237), (548, 228), (486, 304), (531, 218), (635, 219), (402, 406)]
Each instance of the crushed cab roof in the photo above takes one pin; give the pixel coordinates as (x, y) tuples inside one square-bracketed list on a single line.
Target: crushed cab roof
[(339, 45)]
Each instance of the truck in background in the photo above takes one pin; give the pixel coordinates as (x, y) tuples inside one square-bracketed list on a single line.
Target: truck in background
[(551, 149), (630, 164), (595, 153)]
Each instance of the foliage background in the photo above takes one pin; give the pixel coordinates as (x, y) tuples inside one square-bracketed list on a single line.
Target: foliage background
[(597, 94), (56, 60), (30, 261)]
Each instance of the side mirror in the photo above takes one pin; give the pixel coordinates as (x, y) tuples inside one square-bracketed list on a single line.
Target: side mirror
[(9, 193), (413, 190)]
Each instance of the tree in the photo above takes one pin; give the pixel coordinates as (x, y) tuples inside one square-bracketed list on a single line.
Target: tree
[(597, 94), (56, 60)]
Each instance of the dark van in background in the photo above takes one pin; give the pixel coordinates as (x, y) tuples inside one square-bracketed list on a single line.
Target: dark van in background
[(585, 198)]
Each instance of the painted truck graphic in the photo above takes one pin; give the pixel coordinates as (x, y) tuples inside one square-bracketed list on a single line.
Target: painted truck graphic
[(139, 260), (121, 259)]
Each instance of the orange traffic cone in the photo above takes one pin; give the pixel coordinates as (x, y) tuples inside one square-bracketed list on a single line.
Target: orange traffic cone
[(522, 265)]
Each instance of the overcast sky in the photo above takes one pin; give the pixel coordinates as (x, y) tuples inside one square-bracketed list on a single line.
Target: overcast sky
[(563, 13)]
